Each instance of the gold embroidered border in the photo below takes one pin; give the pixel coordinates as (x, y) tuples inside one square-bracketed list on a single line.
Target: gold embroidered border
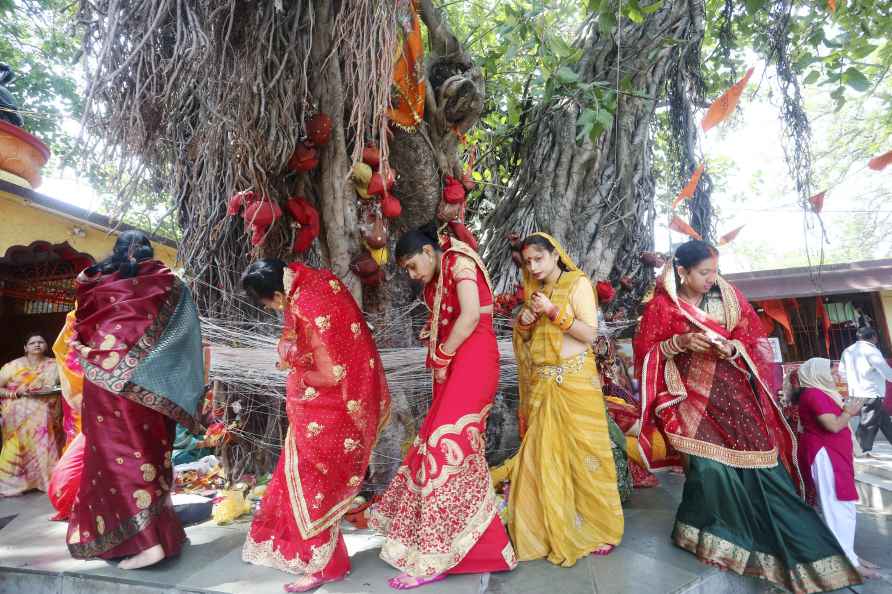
[(734, 458), (458, 427), (308, 528), (831, 573), (264, 553), (420, 563), (123, 532)]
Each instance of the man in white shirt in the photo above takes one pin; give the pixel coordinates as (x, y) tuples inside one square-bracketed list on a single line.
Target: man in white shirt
[(866, 373)]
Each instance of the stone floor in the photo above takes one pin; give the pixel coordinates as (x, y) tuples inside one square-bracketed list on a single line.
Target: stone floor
[(34, 560)]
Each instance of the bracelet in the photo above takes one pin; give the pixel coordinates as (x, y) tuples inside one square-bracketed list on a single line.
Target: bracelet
[(670, 347), (564, 320), (553, 313), (440, 359)]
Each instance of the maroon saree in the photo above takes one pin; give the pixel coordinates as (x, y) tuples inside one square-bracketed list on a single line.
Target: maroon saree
[(139, 344)]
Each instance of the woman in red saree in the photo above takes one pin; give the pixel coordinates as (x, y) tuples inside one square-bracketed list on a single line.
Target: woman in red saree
[(703, 359), (139, 342), (337, 402), (439, 515)]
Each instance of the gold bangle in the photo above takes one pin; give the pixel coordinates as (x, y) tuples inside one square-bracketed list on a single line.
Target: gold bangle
[(564, 320)]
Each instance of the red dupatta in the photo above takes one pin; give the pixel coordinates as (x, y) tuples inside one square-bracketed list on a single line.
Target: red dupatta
[(442, 297), (337, 397), (701, 404)]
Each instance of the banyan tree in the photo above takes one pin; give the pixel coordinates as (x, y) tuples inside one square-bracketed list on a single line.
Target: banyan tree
[(321, 129)]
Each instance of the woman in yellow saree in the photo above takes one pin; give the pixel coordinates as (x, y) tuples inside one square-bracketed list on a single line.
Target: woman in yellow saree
[(563, 502), (31, 420)]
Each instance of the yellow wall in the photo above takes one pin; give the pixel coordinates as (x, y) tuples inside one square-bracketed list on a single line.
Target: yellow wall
[(886, 300), (22, 224)]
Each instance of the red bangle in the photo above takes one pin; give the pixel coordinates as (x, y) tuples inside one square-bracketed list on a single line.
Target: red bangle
[(440, 358), (553, 313)]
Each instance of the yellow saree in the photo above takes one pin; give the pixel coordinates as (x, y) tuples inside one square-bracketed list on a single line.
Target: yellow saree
[(564, 502)]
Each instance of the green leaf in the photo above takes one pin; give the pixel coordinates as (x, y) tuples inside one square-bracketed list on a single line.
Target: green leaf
[(855, 79), (812, 77), (635, 16), (605, 118), (566, 75)]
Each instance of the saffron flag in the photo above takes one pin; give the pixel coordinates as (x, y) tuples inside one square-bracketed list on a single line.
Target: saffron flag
[(725, 105), (880, 163), (817, 202), (690, 187), (831, 4), (730, 236), (678, 224)]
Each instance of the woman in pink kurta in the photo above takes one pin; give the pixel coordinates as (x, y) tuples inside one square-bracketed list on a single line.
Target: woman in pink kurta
[(826, 458)]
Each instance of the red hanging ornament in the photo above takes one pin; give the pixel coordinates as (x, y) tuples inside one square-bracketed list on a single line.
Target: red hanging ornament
[(259, 212), (376, 185), (605, 291), (390, 206), (454, 191), (304, 158), (371, 157), (817, 202), (305, 215), (319, 129)]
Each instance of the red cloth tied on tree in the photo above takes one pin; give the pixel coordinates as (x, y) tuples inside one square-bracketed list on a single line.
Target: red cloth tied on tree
[(705, 405)]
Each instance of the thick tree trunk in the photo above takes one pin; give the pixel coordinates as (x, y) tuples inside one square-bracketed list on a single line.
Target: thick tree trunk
[(597, 198)]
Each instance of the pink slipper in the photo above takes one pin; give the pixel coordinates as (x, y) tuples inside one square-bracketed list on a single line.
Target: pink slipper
[(404, 581), (603, 552)]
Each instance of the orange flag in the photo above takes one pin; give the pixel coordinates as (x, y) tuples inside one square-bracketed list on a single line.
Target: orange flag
[(690, 187), (678, 224), (817, 201), (730, 236), (879, 163), (725, 105), (831, 4)]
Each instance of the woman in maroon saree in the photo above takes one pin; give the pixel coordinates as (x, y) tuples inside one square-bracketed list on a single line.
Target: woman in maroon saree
[(139, 343), (703, 360)]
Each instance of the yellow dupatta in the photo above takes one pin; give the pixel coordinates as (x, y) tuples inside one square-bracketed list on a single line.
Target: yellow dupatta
[(541, 344)]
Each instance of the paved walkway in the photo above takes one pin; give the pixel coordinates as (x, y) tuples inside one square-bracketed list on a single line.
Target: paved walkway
[(34, 560)]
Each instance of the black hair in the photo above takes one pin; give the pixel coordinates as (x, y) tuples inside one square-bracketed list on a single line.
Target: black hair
[(692, 252), (32, 334), (131, 248), (543, 244), (263, 278), (414, 241), (866, 333)]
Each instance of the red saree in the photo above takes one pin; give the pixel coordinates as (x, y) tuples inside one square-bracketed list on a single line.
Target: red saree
[(439, 514), (140, 347), (703, 405), (337, 401)]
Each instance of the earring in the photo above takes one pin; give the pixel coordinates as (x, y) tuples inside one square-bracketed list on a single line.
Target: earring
[(683, 280)]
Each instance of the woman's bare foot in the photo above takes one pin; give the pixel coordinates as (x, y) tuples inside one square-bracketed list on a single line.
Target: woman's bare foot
[(868, 573), (148, 557), (305, 583), (867, 564), (404, 581), (603, 550)]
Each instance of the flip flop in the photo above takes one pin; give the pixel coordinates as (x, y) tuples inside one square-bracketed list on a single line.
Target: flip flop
[(603, 551), (401, 582)]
